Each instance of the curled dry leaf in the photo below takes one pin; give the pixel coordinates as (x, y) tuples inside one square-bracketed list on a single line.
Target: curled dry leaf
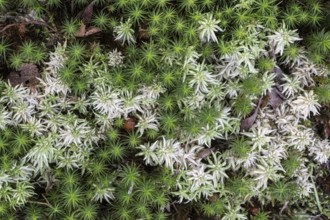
[(92, 30), (204, 153), (279, 73), (27, 75), (265, 101), (88, 13), (248, 122), (83, 32), (275, 97)]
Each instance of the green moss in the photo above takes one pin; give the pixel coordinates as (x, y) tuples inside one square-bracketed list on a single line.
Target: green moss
[(323, 93)]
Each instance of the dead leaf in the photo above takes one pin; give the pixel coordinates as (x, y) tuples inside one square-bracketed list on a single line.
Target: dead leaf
[(265, 101), (204, 153), (279, 73), (275, 98), (248, 122), (82, 30), (92, 30), (88, 13), (27, 75)]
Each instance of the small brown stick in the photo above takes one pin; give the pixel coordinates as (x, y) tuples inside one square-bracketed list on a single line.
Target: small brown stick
[(25, 23)]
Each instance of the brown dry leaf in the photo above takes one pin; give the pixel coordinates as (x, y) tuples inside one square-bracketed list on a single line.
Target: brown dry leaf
[(204, 153), (92, 30), (27, 75), (265, 101), (275, 98), (279, 73), (248, 122), (82, 30), (88, 13)]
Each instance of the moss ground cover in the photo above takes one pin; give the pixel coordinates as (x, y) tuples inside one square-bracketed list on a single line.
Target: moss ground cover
[(164, 109)]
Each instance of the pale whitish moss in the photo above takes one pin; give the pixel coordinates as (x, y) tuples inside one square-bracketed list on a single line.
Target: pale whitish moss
[(186, 98)]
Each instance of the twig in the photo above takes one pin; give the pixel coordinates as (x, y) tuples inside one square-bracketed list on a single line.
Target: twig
[(173, 204), (30, 22), (284, 207), (43, 196), (40, 203)]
